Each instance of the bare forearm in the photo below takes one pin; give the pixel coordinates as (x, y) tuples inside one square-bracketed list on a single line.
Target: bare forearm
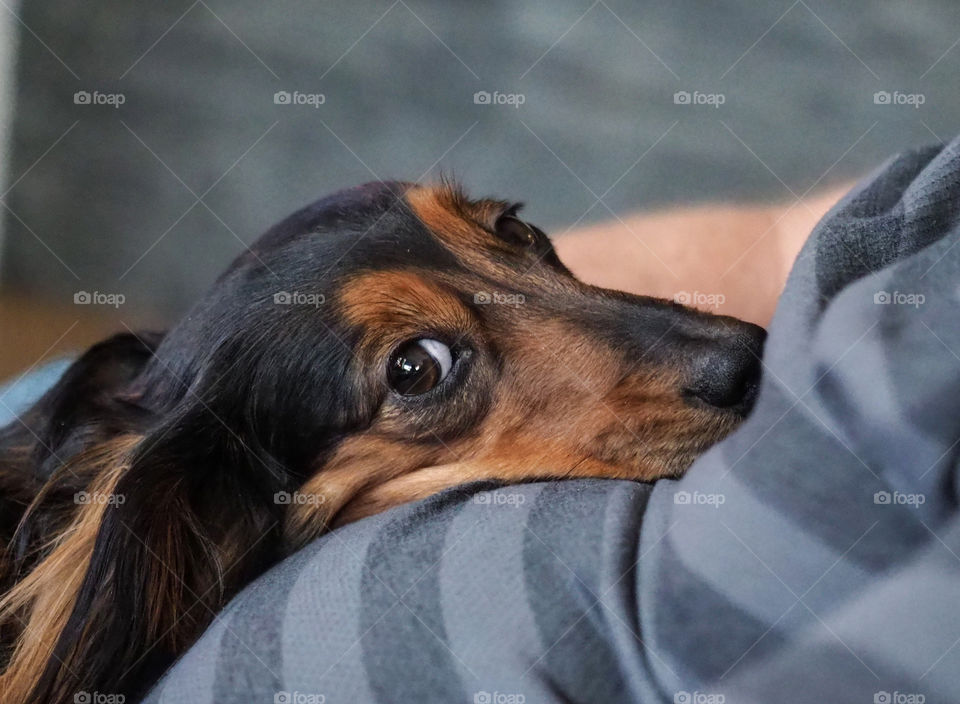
[(730, 259)]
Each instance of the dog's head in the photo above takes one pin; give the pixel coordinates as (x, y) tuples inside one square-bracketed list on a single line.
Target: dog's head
[(375, 347), (395, 339)]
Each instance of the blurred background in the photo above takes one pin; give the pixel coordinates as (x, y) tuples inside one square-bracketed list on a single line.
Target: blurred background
[(144, 144)]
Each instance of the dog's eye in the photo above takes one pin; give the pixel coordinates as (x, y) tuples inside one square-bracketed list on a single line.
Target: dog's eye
[(515, 231), (418, 366)]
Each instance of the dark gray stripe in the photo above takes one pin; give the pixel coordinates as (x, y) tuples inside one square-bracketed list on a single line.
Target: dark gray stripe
[(405, 651), (250, 649), (563, 580)]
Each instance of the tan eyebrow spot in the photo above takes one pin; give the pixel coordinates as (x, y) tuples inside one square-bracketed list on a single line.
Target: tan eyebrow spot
[(391, 305)]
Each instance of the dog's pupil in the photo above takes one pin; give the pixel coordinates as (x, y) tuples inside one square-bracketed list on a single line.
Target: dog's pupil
[(413, 370)]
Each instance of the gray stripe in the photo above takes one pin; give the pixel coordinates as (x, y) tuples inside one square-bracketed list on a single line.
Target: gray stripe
[(250, 657), (320, 635), (482, 582), (405, 651), (693, 633), (192, 678), (564, 582)]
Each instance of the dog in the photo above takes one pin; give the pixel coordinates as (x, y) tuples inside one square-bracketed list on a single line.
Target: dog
[(376, 347)]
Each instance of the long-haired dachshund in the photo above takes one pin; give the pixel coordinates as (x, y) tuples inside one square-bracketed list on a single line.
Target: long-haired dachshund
[(374, 348)]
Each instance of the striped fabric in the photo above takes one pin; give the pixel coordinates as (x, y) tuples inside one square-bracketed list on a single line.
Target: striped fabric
[(814, 556)]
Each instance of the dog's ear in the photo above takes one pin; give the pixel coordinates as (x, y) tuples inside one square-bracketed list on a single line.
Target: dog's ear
[(87, 398), (53, 450), (85, 407), (180, 516), (178, 520)]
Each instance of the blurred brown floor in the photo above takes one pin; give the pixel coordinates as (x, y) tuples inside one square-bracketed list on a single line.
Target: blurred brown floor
[(32, 332)]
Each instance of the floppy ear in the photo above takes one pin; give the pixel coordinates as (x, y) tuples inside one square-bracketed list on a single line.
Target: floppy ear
[(184, 516), (82, 409), (55, 449)]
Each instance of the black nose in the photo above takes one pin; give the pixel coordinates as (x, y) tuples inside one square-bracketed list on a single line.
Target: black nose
[(727, 368)]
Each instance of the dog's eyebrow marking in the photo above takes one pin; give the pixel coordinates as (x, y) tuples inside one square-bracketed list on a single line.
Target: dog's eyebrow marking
[(389, 305)]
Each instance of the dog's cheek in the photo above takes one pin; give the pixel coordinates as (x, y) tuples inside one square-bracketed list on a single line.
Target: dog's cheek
[(360, 462)]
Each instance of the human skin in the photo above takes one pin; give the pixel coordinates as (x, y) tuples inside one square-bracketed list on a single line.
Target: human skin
[(728, 259)]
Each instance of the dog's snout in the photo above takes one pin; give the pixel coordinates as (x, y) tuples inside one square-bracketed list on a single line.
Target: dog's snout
[(726, 371)]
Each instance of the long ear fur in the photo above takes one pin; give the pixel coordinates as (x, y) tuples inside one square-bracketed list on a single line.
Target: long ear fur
[(83, 409), (192, 519), (58, 448), (46, 597)]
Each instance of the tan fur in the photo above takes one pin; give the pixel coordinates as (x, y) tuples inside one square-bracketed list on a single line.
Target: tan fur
[(462, 226), (394, 303), (453, 217), (43, 601), (357, 465)]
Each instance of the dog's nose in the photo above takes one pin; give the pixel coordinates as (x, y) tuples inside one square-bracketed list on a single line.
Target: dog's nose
[(727, 370)]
